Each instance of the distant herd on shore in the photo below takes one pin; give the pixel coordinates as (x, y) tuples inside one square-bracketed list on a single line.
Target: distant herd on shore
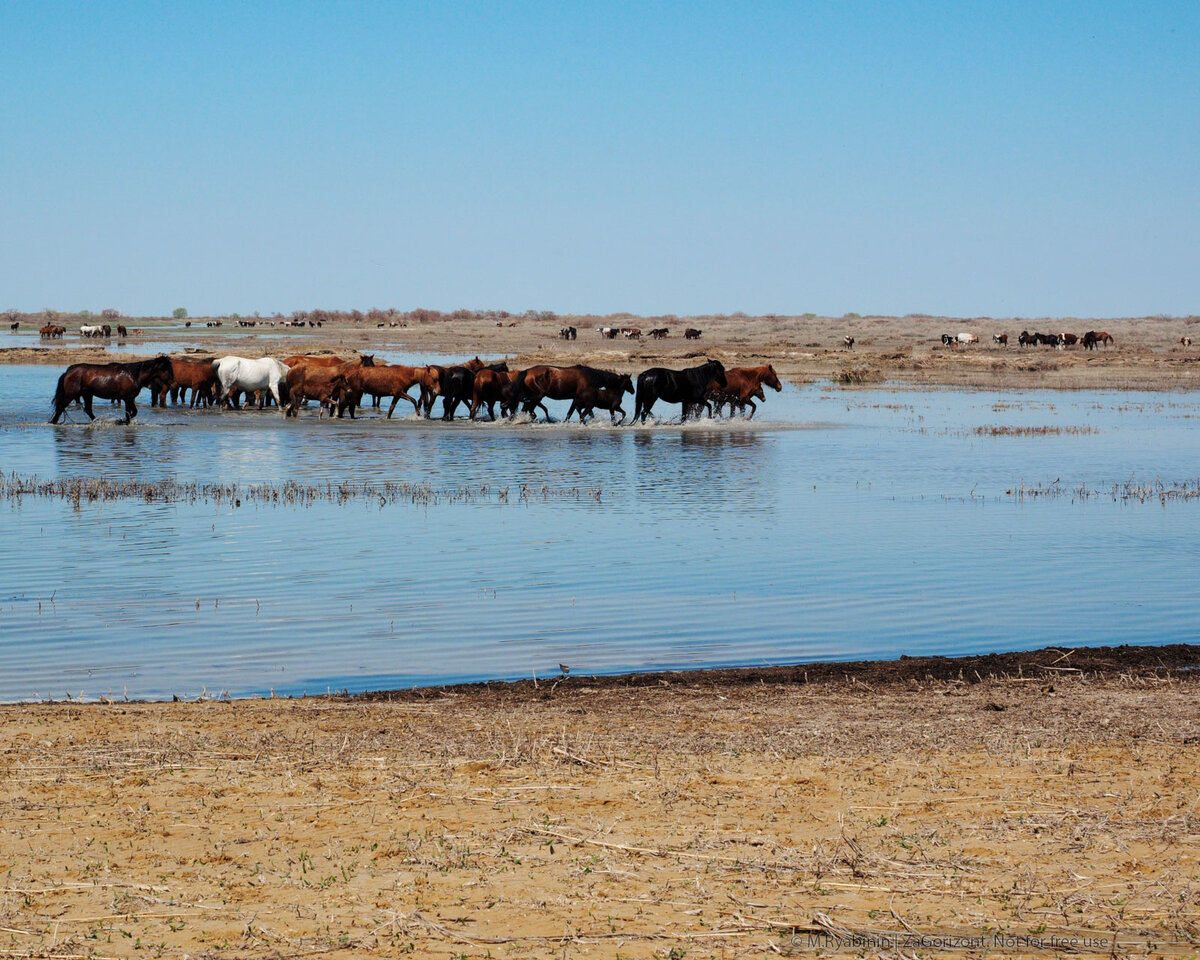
[(339, 386)]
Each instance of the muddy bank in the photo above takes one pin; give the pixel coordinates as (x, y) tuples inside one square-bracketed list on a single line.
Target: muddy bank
[(720, 814), (1172, 660), (1146, 353)]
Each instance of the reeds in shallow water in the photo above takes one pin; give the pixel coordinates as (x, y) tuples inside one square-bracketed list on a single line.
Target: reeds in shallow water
[(80, 490), (1007, 431), (1130, 491)]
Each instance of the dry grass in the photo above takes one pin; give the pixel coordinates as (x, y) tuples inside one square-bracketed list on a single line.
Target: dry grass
[(697, 820)]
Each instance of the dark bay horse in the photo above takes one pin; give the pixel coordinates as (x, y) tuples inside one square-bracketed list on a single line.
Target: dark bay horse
[(458, 384), (686, 387), (566, 383), (111, 381)]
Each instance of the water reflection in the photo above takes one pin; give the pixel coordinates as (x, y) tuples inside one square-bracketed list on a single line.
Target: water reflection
[(707, 544)]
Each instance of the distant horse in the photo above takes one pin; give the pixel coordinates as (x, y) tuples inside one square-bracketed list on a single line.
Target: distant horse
[(1093, 337), (686, 387), (91, 330), (239, 373), (1000, 339), (111, 381)]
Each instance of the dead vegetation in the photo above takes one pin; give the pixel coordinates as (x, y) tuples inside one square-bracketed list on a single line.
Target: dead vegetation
[(668, 819), (290, 493)]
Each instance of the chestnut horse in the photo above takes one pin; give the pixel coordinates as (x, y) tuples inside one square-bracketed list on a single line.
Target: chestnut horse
[(387, 381), (741, 384), (496, 386), (324, 360), (112, 381), (326, 385), (324, 382), (189, 374)]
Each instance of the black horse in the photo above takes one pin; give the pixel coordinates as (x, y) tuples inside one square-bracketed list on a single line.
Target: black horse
[(112, 381), (686, 387)]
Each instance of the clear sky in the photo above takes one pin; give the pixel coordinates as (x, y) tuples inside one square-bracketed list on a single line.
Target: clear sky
[(967, 158)]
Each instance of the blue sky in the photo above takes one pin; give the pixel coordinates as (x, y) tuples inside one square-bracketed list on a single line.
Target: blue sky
[(967, 158)]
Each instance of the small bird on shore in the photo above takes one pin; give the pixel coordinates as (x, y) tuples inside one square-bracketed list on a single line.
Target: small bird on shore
[(565, 669)]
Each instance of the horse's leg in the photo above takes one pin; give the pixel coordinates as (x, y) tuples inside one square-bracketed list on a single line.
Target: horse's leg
[(130, 409), (753, 406), (87, 406)]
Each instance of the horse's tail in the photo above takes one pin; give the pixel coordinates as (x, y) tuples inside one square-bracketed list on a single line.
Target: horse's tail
[(60, 398)]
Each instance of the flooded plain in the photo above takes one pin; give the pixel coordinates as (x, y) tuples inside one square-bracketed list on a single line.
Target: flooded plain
[(839, 524)]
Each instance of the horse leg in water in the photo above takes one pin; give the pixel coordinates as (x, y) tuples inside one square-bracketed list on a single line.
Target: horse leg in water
[(130, 410), (752, 405), (274, 384), (87, 406)]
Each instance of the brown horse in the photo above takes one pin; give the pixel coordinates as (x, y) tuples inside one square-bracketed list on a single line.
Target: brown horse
[(188, 374), (741, 384), (325, 384), (112, 381), (1093, 337), (589, 398), (386, 381), (300, 359), (495, 386), (565, 383)]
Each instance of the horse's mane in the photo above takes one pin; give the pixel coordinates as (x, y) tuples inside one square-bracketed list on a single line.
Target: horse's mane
[(138, 367)]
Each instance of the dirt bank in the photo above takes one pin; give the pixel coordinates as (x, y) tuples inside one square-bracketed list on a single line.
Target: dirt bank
[(1146, 354), (707, 814)]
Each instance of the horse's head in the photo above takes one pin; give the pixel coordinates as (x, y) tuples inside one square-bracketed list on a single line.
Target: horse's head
[(368, 359), (626, 384), (715, 370), (501, 367), (160, 372), (772, 379)]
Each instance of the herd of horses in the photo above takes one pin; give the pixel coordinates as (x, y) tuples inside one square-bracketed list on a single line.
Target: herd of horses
[(339, 386)]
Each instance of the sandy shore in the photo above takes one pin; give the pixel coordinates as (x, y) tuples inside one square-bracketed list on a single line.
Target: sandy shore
[(719, 814), (1146, 354)]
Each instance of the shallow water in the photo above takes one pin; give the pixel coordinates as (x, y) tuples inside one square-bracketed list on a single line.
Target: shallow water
[(840, 525)]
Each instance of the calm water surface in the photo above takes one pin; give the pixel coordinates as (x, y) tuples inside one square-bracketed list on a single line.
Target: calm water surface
[(845, 524)]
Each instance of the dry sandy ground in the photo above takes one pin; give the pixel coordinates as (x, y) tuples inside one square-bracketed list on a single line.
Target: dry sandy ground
[(1147, 353), (689, 815)]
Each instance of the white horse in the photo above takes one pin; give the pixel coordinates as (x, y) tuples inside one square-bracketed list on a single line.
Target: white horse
[(91, 330), (238, 373)]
